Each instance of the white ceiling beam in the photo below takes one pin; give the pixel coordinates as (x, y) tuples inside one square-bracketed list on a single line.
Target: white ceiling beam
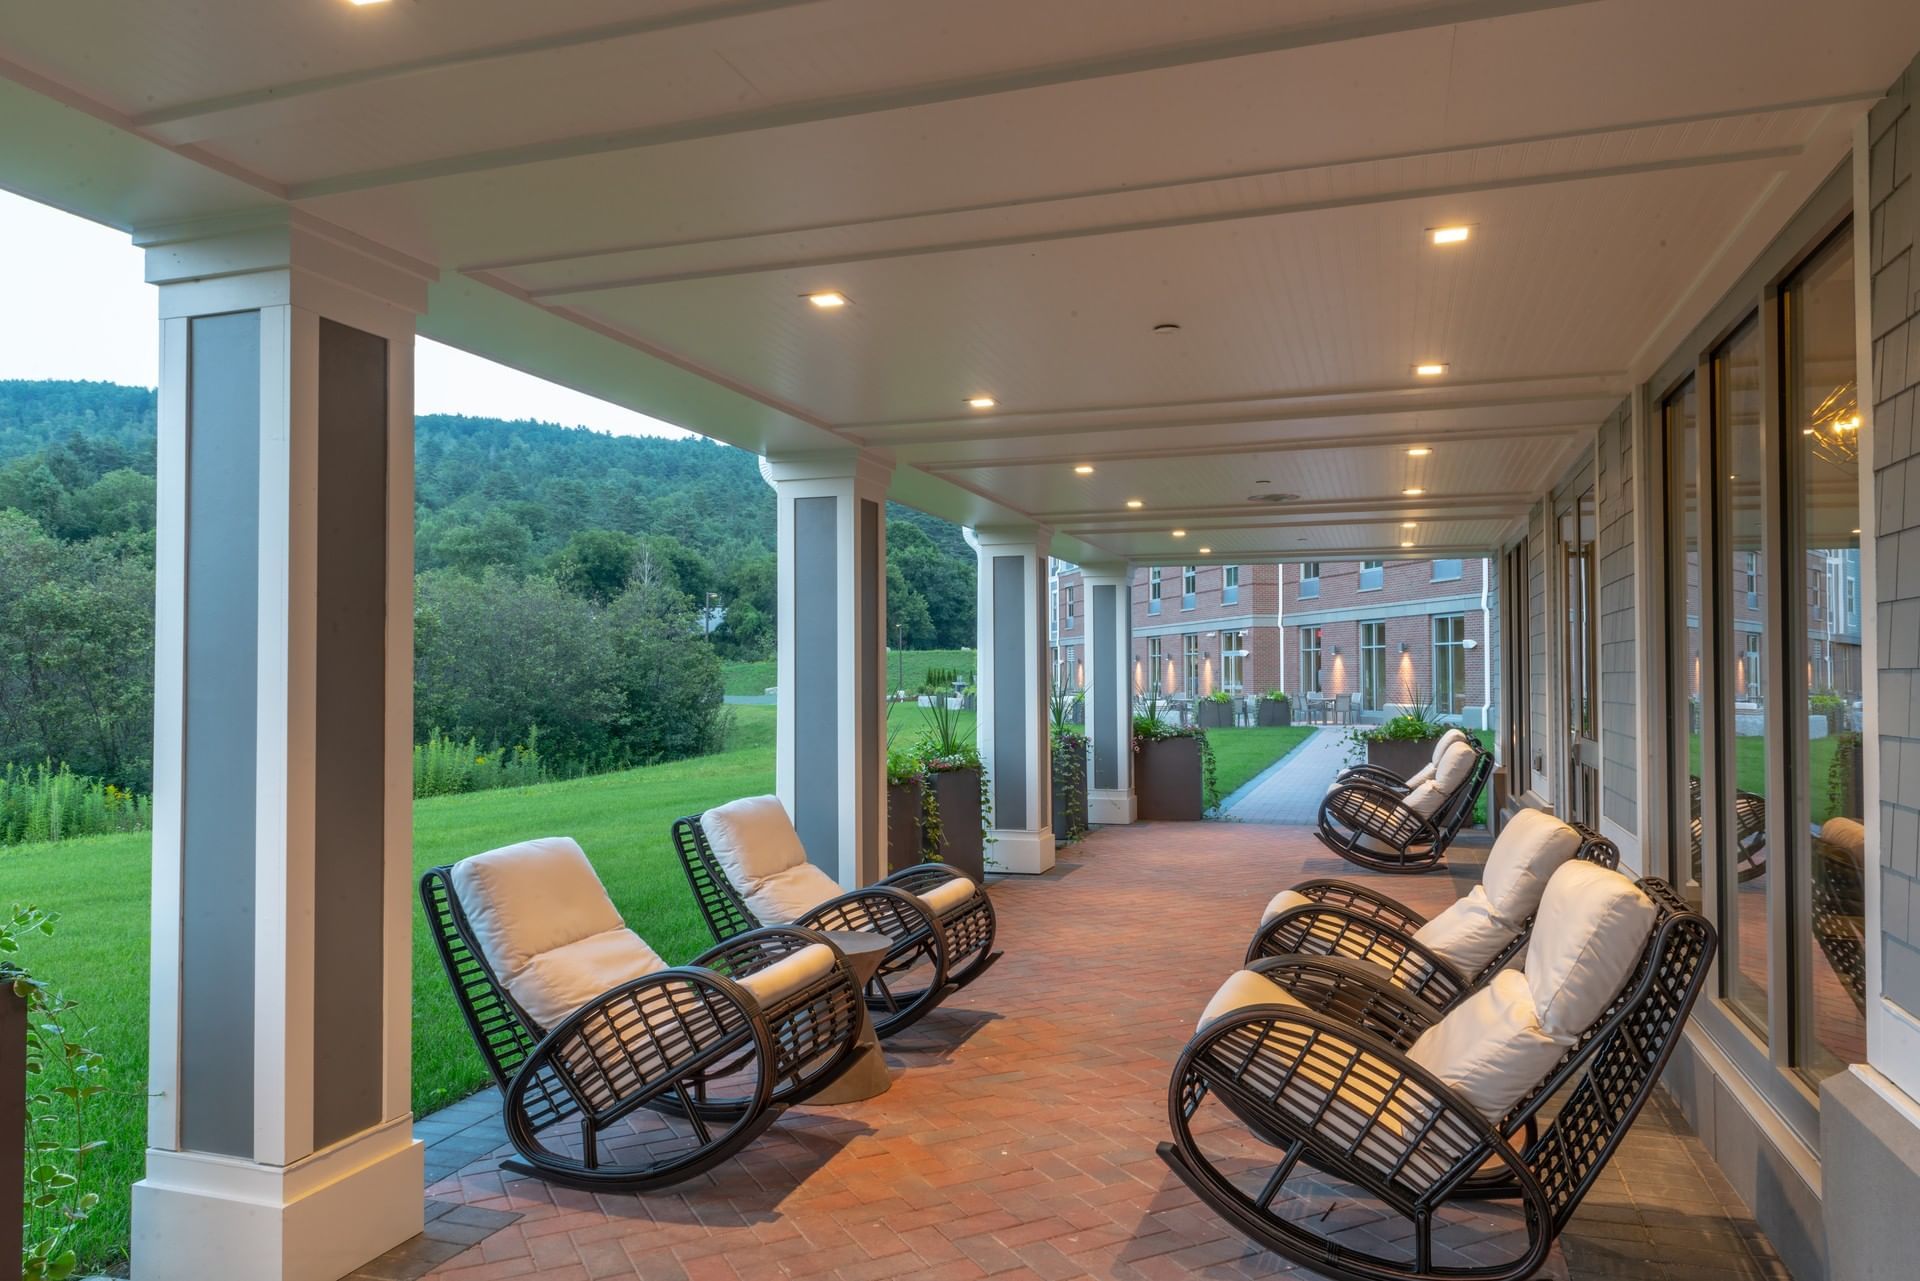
[(1206, 218), (1131, 62), (1330, 511)]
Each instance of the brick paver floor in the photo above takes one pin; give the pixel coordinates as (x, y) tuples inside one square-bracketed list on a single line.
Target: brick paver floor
[(1018, 1138)]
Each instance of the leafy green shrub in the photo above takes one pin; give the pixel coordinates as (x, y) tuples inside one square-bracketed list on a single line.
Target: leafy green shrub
[(49, 804), (1277, 696), (444, 767)]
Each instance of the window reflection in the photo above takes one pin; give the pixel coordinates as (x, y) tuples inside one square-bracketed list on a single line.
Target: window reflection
[(1683, 664)]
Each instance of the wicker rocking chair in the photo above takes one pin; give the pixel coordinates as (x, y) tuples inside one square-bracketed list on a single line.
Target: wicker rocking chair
[(665, 1072), (1839, 902), (1377, 825), (1441, 961), (942, 924), (1367, 773), (1749, 831), (1332, 1084)]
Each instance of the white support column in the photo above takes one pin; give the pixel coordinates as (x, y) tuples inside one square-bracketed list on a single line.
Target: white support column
[(1014, 739), (831, 759), (280, 1129), (1110, 692)]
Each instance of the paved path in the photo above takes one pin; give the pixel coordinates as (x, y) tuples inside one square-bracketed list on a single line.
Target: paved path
[(1291, 789)]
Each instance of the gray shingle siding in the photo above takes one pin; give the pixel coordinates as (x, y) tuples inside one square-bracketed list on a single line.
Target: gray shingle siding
[(1894, 219), (1620, 771)]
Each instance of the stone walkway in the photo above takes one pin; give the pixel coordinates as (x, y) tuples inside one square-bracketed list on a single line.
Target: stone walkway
[(1290, 791), (1018, 1138)]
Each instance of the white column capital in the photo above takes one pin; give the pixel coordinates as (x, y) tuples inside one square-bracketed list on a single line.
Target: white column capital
[(1115, 571), (1031, 539), (870, 473)]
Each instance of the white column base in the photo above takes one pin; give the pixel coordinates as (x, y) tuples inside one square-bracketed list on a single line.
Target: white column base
[(196, 1215), (1111, 806), (1021, 853)]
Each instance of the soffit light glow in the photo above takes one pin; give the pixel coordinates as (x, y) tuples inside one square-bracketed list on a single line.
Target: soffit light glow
[(1179, 533), (1410, 525), (826, 299), (982, 402), (1418, 451), (1430, 369), (1084, 469), (1206, 551), (1135, 504), (1450, 235), (1406, 542), (363, 3), (1413, 492)]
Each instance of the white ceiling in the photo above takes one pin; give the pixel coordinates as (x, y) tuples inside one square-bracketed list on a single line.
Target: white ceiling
[(632, 198)]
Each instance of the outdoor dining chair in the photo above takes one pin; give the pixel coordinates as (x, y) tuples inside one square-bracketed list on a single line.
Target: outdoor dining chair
[(747, 866), (1443, 960), (617, 1071), (1332, 1087)]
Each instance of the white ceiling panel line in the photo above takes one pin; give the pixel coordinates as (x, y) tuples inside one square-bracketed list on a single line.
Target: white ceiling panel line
[(1396, 507), (206, 118), (1762, 156), (1620, 128), (1134, 62)]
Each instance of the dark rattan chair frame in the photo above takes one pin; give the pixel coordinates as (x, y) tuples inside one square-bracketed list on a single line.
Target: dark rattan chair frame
[(1355, 812), (955, 947), (1839, 903), (664, 1042), (1348, 919), (1403, 1136)]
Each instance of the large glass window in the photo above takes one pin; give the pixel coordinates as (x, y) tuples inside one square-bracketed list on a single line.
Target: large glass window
[(1190, 673), (1446, 571), (1153, 590), (1741, 458), (1310, 661), (1373, 665), (1822, 423), (1233, 661), (1230, 585), (1156, 667), (1309, 580), (1450, 664), (1189, 587), (1679, 415), (1373, 575), (1068, 593)]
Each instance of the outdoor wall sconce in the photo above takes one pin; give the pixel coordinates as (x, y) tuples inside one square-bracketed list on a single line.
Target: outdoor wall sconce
[(1336, 651), (1404, 647)]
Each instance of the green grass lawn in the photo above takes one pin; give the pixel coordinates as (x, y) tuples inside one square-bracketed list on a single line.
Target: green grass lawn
[(100, 888), (1241, 753), (906, 669)]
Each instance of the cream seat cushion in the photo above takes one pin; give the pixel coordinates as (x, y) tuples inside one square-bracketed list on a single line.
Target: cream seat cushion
[(755, 844), (948, 894), (1531, 848), (1242, 989), (790, 974), (1284, 901), (545, 925)]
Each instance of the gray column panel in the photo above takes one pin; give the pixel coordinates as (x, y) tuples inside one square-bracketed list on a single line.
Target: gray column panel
[(873, 577), (816, 680), (221, 732), (1102, 676), (1010, 692), (350, 732)]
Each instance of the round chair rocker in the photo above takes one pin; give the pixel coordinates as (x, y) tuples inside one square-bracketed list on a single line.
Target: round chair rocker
[(746, 866), (1390, 827), (1440, 961), (1310, 1080), (618, 1072)]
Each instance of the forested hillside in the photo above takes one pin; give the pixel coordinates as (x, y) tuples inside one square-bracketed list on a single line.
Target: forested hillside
[(562, 577)]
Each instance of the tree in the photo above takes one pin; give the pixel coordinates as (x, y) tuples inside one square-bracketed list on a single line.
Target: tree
[(908, 624), (495, 541), (596, 564), (671, 690), (944, 582)]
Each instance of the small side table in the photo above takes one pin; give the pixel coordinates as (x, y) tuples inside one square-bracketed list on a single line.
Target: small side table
[(867, 1076)]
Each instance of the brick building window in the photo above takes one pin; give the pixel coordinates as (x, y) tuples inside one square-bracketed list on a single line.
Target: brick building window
[(1190, 666), (1373, 575), (1373, 664), (1750, 576), (1156, 665), (1310, 661), (1153, 591), (1230, 585), (1189, 587), (1068, 593), (1446, 571), (1450, 664), (1310, 580), (1233, 661)]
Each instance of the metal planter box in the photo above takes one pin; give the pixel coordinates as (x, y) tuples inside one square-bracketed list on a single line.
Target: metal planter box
[(1167, 780), (905, 826), (1401, 756), (962, 843), (1215, 715), (1273, 711)]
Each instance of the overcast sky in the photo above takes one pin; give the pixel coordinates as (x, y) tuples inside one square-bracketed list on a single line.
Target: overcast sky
[(73, 305)]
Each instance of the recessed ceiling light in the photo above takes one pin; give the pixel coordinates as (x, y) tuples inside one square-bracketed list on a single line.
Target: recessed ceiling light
[(1418, 451), (1406, 542), (827, 299), (1414, 492), (1410, 525), (1135, 504), (982, 402), (1430, 369), (1806, 431), (1084, 469), (1856, 531), (1206, 551), (1179, 533), (364, 3), (1449, 235)]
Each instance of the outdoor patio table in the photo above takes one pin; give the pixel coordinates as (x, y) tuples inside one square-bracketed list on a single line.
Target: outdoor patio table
[(868, 1074)]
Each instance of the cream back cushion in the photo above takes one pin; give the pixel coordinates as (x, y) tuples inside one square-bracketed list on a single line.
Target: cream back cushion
[(787, 896), (1468, 934), (1452, 769), (1592, 927), (1447, 740), (554, 984), (753, 839), (1531, 848), (1490, 1048)]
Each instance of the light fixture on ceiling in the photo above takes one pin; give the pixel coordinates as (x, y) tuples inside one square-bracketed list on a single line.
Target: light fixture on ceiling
[(1084, 469), (1206, 551), (361, 4), (1856, 531), (1134, 504), (1406, 542), (1449, 235), (982, 401), (1413, 492), (1179, 533), (1410, 525), (827, 299), (1806, 431), (1430, 369), (1418, 451)]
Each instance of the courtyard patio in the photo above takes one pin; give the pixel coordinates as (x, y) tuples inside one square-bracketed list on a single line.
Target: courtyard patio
[(1018, 1137)]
